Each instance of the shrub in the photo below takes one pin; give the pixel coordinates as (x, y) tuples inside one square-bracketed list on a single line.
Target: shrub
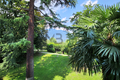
[(14, 53), (66, 50), (50, 48), (57, 47)]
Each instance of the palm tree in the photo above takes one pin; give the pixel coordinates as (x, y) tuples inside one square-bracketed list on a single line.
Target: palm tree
[(98, 46)]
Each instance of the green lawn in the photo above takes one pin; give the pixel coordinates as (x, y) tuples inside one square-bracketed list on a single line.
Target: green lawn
[(49, 67)]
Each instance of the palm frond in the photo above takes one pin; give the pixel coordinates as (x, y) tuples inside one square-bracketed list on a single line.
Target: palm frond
[(109, 51), (101, 12), (116, 34)]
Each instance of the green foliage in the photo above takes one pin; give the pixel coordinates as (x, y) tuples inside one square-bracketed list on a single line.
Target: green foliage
[(50, 48), (97, 45), (14, 24), (53, 40), (67, 49), (12, 40), (11, 52), (58, 46), (13, 32), (40, 37)]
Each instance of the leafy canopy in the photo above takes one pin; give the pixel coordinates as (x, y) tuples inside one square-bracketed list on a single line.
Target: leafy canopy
[(97, 44)]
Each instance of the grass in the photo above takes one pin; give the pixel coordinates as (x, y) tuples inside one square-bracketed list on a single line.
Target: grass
[(48, 67)]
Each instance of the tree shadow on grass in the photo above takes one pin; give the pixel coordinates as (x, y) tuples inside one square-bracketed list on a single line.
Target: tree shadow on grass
[(51, 67), (46, 67), (13, 74)]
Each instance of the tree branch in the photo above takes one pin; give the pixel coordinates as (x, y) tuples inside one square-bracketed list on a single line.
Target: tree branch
[(35, 8), (24, 9), (40, 18)]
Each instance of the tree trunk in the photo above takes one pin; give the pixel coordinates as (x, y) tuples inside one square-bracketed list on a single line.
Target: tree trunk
[(30, 51), (63, 52)]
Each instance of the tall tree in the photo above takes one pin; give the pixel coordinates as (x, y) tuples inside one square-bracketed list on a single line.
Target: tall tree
[(14, 13), (13, 27), (13, 31), (30, 51)]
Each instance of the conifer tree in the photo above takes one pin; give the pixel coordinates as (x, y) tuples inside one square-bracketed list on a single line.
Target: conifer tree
[(29, 67), (14, 12)]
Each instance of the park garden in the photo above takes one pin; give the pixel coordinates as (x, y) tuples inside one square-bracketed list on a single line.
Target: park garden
[(91, 52)]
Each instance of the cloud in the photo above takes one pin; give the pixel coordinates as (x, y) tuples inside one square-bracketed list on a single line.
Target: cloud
[(89, 2), (72, 16), (55, 9), (57, 28), (58, 8), (70, 31), (95, 2), (47, 27), (60, 29), (63, 19), (37, 3), (27, 0)]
